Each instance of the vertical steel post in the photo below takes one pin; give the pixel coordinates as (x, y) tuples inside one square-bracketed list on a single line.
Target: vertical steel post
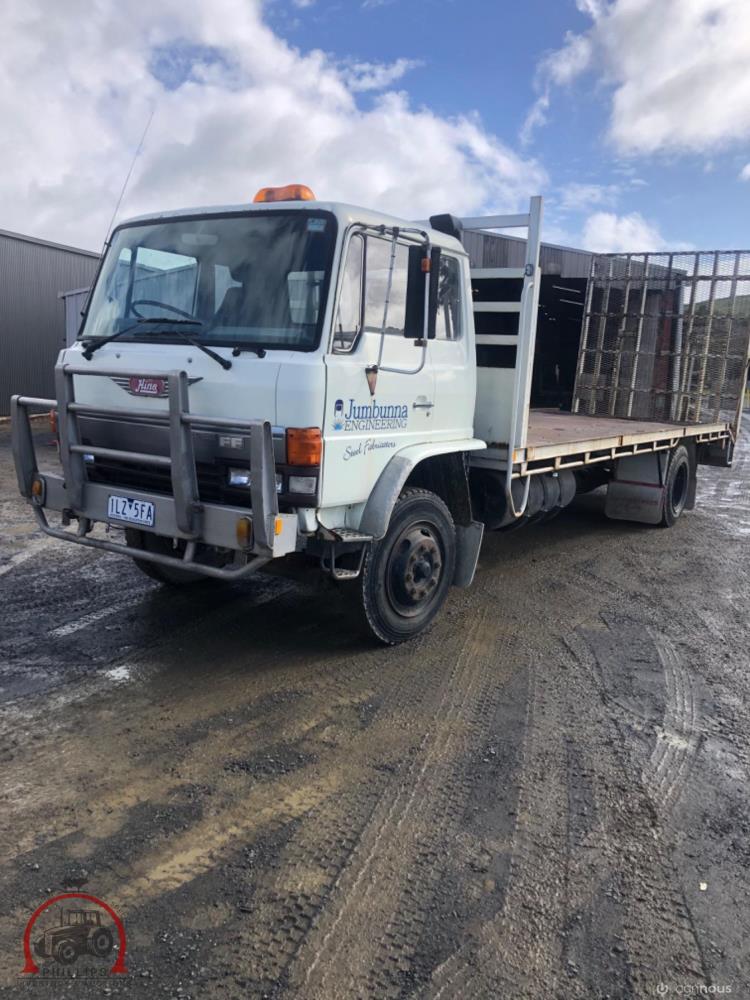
[(707, 341), (263, 496), (585, 334), (604, 316), (68, 434), (638, 336), (730, 331), (184, 475), (621, 338)]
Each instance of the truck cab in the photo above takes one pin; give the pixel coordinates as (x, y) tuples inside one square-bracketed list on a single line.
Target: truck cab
[(254, 381)]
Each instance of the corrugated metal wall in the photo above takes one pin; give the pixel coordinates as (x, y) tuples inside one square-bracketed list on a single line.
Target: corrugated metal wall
[(32, 317), (496, 250)]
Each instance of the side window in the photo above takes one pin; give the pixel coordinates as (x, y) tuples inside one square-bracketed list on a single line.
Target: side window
[(349, 316), (449, 325), (378, 265)]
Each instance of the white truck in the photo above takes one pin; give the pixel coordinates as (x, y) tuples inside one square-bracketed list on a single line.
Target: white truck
[(301, 380)]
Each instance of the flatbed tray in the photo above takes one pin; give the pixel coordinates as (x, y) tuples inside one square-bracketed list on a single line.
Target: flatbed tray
[(553, 433)]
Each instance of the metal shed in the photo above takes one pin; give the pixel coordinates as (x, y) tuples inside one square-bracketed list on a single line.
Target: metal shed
[(33, 274)]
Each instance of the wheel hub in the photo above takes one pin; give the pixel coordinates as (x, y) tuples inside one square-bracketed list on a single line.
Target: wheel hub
[(415, 569)]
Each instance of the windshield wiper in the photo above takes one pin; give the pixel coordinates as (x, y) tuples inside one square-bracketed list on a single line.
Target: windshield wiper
[(225, 363), (91, 346)]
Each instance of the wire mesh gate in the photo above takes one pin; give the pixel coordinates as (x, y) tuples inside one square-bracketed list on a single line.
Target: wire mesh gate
[(665, 337)]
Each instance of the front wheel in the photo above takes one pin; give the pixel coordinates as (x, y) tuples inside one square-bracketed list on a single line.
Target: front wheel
[(170, 575), (407, 574)]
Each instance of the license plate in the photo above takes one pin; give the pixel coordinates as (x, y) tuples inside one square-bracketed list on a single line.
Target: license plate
[(132, 511)]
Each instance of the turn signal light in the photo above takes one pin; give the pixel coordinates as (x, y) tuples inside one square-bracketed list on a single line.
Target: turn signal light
[(291, 192), (37, 489), (244, 533), (304, 446)]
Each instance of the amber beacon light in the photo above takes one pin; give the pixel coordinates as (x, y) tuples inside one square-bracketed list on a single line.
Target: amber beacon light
[(291, 192)]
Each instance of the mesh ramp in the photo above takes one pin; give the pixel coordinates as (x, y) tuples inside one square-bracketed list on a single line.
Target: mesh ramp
[(665, 337)]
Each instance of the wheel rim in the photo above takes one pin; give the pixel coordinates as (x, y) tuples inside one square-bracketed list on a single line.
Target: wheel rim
[(101, 943), (680, 488), (66, 953), (415, 569)]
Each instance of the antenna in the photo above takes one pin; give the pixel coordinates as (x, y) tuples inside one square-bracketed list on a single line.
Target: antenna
[(127, 176), (117, 209)]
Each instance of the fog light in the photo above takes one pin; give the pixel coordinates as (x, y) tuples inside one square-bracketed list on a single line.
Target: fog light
[(244, 532), (238, 477), (303, 484), (243, 479)]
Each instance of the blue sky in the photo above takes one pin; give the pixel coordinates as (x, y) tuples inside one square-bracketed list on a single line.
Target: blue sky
[(484, 55), (632, 117)]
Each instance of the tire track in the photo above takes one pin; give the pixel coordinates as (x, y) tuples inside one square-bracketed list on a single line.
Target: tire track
[(367, 936)]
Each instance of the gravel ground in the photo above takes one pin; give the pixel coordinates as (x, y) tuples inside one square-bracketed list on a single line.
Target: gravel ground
[(546, 796)]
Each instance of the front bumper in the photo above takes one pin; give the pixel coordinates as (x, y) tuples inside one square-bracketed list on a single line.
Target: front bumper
[(181, 515)]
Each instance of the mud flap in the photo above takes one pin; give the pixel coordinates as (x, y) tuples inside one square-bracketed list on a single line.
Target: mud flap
[(636, 492), (468, 544)]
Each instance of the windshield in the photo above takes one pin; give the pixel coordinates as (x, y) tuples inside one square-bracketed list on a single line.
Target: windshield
[(259, 279)]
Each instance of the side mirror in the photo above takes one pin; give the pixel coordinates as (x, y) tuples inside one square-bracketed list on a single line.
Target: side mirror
[(414, 326)]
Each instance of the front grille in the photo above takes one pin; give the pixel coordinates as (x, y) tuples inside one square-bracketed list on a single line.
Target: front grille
[(212, 485)]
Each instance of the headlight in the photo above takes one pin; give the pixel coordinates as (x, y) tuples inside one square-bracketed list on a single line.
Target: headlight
[(243, 479), (303, 484)]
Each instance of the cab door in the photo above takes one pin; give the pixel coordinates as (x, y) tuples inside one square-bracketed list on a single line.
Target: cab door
[(364, 429)]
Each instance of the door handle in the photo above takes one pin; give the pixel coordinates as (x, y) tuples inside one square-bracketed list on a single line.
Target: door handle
[(425, 405)]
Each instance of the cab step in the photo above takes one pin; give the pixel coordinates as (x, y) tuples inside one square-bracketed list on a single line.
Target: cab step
[(345, 536)]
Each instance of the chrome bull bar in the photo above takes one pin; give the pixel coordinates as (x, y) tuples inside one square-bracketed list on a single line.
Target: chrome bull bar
[(181, 515)]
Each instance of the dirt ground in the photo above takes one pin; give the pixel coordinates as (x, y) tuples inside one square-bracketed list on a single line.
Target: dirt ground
[(546, 796)]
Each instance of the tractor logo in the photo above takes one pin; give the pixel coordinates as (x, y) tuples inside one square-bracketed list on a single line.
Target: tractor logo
[(62, 933)]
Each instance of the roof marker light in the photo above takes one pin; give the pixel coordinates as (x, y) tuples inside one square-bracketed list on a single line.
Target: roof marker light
[(291, 192)]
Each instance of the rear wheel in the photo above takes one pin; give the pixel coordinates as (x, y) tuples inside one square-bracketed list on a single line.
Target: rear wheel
[(677, 486), (407, 574), (100, 941), (147, 542)]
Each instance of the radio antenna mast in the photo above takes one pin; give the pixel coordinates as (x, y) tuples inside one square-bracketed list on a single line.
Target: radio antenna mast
[(128, 175)]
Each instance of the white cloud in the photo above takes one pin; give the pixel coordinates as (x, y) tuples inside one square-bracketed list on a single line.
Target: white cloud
[(677, 71), (606, 232), (360, 76), (745, 173), (577, 197), (236, 108)]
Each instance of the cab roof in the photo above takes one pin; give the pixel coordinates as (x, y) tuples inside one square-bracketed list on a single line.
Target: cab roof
[(346, 215)]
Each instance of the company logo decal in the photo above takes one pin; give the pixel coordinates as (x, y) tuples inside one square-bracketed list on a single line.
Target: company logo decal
[(146, 385), (369, 416), (74, 935)]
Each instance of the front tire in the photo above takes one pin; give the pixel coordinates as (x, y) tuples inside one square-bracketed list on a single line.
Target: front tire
[(156, 543), (407, 574)]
